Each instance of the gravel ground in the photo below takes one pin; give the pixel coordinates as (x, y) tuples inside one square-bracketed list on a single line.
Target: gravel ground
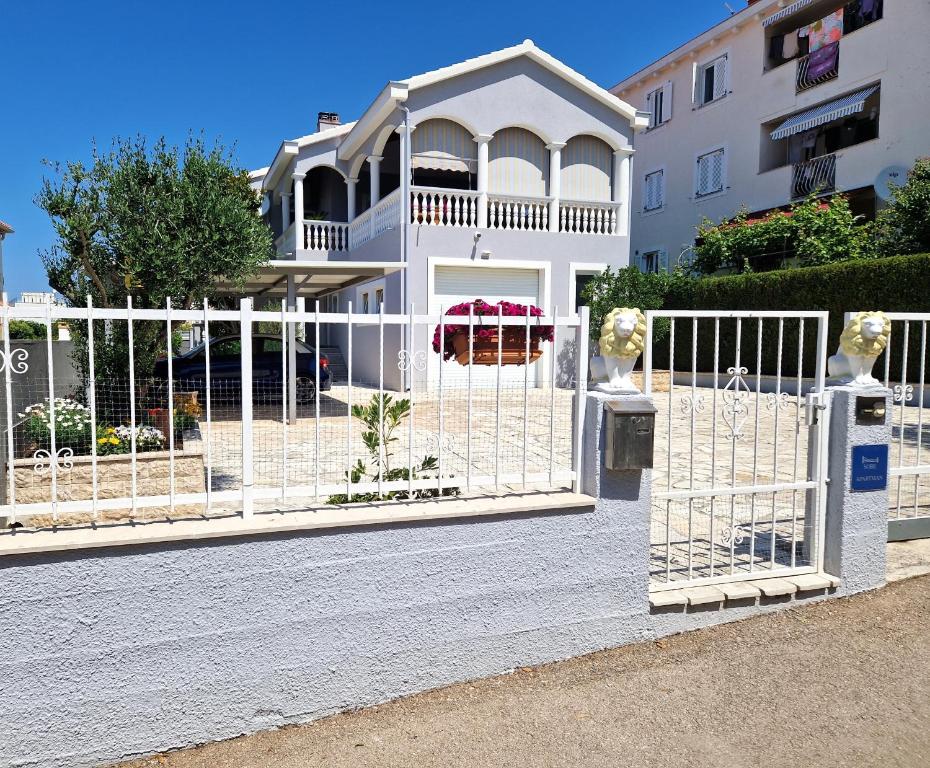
[(839, 683)]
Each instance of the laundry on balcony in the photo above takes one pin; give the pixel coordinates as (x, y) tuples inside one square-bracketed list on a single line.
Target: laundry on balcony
[(823, 62), (824, 113), (826, 31)]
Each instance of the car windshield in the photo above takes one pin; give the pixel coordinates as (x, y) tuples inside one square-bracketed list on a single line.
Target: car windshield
[(230, 345)]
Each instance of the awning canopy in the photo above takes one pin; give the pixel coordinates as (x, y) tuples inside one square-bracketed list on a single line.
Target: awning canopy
[(825, 113), (786, 11), (438, 161), (312, 278)]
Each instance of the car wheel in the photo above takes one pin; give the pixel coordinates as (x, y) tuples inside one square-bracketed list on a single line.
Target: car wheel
[(306, 390)]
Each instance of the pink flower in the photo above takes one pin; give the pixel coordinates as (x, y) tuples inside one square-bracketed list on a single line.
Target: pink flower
[(487, 330)]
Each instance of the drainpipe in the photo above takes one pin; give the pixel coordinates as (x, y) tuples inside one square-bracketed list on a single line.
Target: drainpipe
[(404, 221)]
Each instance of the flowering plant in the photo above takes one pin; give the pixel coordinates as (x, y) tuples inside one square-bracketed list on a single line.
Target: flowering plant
[(72, 424), (485, 331), (116, 440)]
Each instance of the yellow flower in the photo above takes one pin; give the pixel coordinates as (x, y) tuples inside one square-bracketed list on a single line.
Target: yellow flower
[(102, 440), (114, 440)]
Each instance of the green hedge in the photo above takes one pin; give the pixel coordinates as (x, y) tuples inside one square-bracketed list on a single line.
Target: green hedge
[(893, 284)]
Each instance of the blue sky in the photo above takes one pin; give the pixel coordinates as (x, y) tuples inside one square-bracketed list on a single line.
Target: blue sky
[(254, 74)]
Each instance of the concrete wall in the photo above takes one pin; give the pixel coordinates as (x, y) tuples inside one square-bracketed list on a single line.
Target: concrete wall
[(892, 50)]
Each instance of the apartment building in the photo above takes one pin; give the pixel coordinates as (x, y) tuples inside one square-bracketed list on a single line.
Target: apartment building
[(777, 102)]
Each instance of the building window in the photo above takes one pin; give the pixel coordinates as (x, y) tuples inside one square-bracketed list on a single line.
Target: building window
[(710, 81), (653, 261), (654, 191), (365, 308), (710, 174), (659, 105), (379, 298)]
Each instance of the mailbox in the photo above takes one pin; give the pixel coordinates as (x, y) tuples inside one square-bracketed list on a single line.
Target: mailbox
[(630, 434), (870, 410)]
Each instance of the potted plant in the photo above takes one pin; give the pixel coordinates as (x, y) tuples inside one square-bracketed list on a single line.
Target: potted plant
[(451, 340)]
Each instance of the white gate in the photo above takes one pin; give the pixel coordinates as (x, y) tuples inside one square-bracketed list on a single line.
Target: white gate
[(739, 484), (909, 454)]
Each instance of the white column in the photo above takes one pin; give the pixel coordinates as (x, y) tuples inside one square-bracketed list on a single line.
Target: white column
[(555, 183), (285, 211), (350, 198), (621, 188), (300, 242), (374, 168), (483, 139), (291, 353)]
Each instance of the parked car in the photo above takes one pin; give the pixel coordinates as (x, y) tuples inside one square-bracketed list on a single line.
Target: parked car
[(190, 369)]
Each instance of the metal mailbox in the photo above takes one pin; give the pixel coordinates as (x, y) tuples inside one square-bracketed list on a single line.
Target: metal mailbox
[(631, 426)]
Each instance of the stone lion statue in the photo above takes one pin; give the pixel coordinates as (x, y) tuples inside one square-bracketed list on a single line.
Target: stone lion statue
[(623, 338), (864, 338)]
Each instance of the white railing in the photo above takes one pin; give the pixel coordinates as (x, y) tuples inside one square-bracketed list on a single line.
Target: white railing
[(739, 479), (382, 216), (196, 436), (806, 78), (909, 455), (522, 213), (589, 217), (326, 235), (444, 207), (387, 213), (814, 176)]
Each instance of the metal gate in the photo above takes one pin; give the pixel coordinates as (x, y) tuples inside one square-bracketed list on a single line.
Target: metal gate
[(739, 484), (909, 454)]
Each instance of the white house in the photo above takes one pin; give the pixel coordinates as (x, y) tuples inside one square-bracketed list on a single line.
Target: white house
[(778, 101), (506, 176)]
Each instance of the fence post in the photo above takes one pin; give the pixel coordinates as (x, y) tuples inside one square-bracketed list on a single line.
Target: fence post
[(581, 387), (245, 336), (856, 524)]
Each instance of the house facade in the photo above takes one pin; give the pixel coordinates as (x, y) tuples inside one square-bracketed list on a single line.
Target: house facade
[(505, 177), (777, 102)]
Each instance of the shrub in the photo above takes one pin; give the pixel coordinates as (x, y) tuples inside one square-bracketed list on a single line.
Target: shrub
[(72, 424), (904, 226)]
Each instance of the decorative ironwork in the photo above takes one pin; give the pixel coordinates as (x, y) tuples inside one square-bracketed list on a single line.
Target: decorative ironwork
[(406, 360), (903, 393), (445, 443), (64, 460), (776, 400), (15, 361), (736, 535), (692, 404), (735, 407)]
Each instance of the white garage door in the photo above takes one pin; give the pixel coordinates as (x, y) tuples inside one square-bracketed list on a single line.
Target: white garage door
[(454, 285)]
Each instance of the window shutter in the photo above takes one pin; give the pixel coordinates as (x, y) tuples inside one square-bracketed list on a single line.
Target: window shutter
[(716, 171), (703, 166), (696, 84), (720, 77), (663, 260), (651, 108), (667, 102)]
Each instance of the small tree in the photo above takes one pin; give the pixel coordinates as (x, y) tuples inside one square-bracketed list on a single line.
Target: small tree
[(904, 226), (152, 223)]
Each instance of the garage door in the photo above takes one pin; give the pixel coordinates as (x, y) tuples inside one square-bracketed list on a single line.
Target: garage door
[(454, 285)]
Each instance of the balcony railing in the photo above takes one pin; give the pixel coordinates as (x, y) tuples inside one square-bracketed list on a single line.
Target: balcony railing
[(818, 67), (443, 207), (326, 235), (382, 216), (814, 177), (522, 213), (593, 217)]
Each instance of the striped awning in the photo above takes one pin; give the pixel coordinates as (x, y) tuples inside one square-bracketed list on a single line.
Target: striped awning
[(443, 145), (825, 113), (785, 12)]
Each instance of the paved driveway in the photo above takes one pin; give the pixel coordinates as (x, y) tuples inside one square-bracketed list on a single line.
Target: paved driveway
[(842, 683)]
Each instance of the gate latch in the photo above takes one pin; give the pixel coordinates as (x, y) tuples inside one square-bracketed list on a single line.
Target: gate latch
[(813, 404)]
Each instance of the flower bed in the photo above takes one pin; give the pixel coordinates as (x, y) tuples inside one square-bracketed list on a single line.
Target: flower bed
[(451, 340)]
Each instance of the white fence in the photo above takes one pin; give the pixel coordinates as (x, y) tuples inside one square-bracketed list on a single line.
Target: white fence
[(227, 444), (739, 479), (909, 460)]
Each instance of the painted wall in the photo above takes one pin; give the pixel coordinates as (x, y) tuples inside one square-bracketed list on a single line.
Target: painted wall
[(892, 51)]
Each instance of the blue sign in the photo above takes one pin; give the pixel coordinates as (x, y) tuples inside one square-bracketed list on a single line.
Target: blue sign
[(869, 468)]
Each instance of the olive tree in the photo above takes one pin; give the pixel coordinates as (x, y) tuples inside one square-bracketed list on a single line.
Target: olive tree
[(152, 222)]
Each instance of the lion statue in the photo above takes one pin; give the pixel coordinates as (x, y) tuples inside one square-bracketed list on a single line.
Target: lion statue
[(623, 338), (864, 338)]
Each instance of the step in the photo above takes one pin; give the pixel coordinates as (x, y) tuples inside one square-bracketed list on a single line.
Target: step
[(737, 591)]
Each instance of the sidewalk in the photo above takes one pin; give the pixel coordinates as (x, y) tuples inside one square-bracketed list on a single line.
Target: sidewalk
[(839, 683)]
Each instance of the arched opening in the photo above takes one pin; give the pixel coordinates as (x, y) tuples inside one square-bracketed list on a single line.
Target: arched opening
[(325, 195), (586, 169), (518, 163), (443, 154)]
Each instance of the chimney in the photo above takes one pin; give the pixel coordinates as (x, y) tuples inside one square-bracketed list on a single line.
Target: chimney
[(326, 120)]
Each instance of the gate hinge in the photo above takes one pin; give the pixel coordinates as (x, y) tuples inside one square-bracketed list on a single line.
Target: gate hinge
[(813, 403)]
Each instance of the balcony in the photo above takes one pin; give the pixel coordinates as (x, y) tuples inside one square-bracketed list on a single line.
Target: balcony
[(814, 177), (818, 67)]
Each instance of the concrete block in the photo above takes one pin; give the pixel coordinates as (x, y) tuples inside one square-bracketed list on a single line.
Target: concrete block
[(740, 590), (704, 595), (775, 587), (667, 598), (809, 582)]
